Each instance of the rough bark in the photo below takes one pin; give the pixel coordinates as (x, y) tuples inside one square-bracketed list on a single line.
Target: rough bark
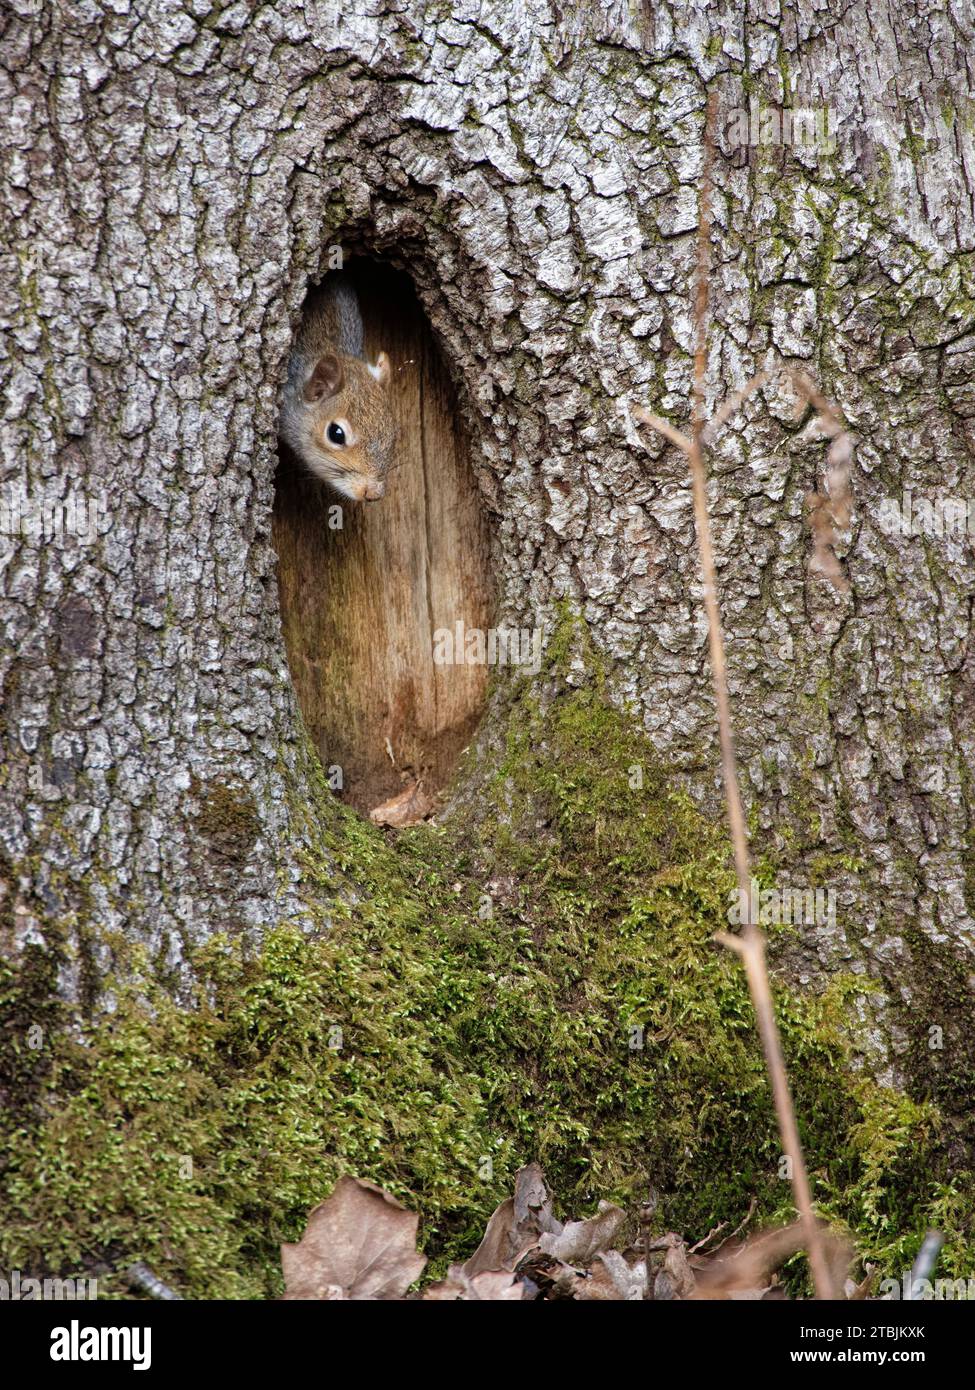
[(173, 176)]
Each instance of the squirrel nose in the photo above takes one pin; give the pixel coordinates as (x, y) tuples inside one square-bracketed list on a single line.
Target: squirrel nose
[(373, 491)]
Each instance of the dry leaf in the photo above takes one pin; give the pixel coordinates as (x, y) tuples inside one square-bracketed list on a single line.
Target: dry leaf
[(491, 1285), (741, 1270), (502, 1244), (676, 1279), (856, 1293), (532, 1201), (580, 1241), (612, 1278), (517, 1225), (408, 807), (359, 1244)]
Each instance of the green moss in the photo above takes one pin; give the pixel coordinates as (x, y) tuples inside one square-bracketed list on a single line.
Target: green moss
[(227, 818), (30, 1016), (535, 978)]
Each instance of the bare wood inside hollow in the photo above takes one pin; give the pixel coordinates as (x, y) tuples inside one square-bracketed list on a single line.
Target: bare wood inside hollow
[(360, 604)]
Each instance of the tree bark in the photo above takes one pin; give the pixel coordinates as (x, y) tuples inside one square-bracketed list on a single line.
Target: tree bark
[(174, 175)]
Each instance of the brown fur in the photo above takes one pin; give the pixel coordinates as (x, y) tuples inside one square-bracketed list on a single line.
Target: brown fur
[(330, 384)]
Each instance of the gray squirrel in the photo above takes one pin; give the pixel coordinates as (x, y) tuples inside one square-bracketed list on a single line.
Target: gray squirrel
[(336, 413)]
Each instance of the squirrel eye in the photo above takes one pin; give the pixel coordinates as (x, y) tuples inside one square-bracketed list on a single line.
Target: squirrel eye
[(335, 433)]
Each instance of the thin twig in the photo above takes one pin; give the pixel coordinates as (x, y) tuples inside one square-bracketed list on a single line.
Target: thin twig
[(750, 944), (733, 403), (663, 427), (714, 1231), (738, 1229)]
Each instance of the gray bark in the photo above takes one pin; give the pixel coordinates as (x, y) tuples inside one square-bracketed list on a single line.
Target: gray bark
[(173, 175)]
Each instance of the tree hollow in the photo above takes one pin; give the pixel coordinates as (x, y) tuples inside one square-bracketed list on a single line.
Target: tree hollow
[(361, 602)]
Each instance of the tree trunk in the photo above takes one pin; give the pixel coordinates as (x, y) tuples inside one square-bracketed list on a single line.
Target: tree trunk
[(175, 176)]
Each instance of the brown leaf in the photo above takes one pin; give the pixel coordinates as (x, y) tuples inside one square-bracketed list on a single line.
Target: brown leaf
[(743, 1269), (533, 1205), (613, 1279), (580, 1241), (675, 1280), (502, 1244), (491, 1285), (856, 1293), (408, 807), (516, 1225), (359, 1244)]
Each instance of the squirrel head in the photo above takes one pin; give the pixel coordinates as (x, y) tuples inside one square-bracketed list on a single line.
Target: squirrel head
[(344, 427)]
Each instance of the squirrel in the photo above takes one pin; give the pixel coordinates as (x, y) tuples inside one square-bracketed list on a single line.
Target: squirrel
[(336, 413)]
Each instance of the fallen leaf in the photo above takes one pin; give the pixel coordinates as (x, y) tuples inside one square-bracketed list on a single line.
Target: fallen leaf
[(408, 807), (358, 1244), (676, 1279), (855, 1292), (516, 1225), (491, 1285), (580, 1241), (610, 1271), (742, 1269)]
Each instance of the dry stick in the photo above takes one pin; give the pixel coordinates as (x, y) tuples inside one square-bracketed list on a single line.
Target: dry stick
[(750, 944), (829, 511), (732, 403)]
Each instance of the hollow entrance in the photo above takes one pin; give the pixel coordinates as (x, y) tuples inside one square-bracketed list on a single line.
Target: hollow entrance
[(360, 604)]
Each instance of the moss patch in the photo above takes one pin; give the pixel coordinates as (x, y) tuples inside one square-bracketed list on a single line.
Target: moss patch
[(536, 978), (227, 818)]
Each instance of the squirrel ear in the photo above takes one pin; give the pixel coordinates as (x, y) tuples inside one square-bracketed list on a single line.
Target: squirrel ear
[(326, 379), (381, 371)]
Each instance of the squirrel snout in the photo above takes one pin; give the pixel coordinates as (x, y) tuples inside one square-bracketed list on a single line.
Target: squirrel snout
[(371, 492)]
